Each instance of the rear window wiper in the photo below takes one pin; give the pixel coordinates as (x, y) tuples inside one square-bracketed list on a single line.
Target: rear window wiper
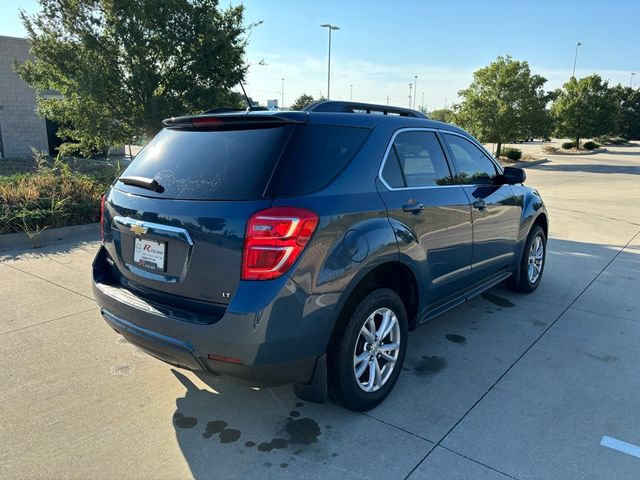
[(143, 182)]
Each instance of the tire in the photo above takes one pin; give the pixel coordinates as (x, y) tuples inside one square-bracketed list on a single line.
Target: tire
[(350, 339), (523, 281)]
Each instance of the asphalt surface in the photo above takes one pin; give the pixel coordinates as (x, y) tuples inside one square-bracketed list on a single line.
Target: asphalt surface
[(505, 386)]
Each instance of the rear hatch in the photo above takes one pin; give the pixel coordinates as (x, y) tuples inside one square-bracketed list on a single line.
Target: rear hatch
[(175, 220)]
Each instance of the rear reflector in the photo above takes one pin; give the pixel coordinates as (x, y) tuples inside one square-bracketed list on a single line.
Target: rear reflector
[(274, 240), (102, 217), (222, 358)]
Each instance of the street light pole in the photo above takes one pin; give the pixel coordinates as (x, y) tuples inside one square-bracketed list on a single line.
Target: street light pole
[(631, 81), (330, 28), (415, 86), (282, 106), (410, 85), (351, 94), (422, 101), (575, 59)]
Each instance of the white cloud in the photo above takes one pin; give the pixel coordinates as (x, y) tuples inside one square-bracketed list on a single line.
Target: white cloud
[(372, 82)]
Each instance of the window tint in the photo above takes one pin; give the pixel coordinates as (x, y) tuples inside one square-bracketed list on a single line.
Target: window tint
[(420, 160), (473, 165), (316, 157), (209, 165)]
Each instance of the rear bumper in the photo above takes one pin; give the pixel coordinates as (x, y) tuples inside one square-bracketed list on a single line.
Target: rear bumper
[(275, 343)]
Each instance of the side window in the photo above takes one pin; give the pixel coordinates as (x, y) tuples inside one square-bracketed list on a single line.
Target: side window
[(473, 165), (416, 159)]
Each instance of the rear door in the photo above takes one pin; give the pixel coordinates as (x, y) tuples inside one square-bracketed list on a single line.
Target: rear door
[(185, 236), (431, 217), (495, 212)]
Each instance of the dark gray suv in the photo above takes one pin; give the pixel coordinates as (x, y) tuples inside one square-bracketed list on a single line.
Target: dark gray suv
[(301, 247)]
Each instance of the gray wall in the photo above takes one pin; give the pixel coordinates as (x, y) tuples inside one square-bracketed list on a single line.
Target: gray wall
[(20, 125)]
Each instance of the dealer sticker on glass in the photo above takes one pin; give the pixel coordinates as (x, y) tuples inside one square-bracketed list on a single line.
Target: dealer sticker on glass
[(149, 254)]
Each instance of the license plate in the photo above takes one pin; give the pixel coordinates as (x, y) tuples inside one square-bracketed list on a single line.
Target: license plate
[(149, 254)]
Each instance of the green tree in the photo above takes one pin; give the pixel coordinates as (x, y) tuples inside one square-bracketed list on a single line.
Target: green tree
[(505, 102), (628, 113), (443, 115), (121, 66), (584, 108), (304, 100)]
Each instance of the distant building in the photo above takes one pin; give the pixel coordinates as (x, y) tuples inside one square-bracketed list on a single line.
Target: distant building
[(272, 104), (20, 126)]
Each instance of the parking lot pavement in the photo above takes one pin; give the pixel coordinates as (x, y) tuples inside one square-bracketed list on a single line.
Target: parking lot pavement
[(505, 386)]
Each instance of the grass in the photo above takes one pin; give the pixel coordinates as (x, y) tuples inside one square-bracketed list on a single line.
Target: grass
[(43, 193)]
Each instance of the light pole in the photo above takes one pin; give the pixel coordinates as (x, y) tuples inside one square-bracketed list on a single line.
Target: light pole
[(410, 85), (330, 28), (422, 101), (282, 106), (351, 94), (575, 59), (415, 86), (631, 81)]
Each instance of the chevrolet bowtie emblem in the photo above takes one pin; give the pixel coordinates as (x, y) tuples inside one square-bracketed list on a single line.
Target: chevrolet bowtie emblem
[(138, 229)]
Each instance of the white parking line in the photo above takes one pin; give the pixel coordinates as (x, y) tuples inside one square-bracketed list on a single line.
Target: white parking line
[(621, 446)]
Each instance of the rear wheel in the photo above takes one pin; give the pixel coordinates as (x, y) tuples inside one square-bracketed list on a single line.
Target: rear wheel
[(368, 350), (532, 263)]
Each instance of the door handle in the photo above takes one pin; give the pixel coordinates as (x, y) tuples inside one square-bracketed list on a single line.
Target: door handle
[(413, 207), (479, 204)]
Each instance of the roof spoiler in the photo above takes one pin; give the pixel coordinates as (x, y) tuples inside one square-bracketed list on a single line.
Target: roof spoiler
[(228, 120)]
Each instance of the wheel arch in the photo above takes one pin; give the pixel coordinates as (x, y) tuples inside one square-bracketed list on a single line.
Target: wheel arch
[(394, 275)]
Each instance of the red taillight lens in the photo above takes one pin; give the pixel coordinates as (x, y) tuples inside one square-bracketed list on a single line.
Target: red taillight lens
[(274, 240), (102, 217)]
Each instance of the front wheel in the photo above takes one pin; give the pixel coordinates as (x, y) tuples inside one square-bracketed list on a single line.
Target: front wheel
[(532, 263), (368, 350)]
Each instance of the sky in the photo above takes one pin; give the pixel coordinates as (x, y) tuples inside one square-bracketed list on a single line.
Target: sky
[(382, 45)]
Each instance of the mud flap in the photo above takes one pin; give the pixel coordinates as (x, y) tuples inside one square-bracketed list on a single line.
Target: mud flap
[(316, 390)]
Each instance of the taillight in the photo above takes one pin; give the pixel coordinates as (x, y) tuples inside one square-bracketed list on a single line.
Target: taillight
[(102, 217), (274, 240)]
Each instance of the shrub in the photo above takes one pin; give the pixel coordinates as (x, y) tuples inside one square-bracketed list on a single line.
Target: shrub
[(618, 141), (568, 145), (605, 139), (549, 149), (511, 153), (590, 145), (53, 196)]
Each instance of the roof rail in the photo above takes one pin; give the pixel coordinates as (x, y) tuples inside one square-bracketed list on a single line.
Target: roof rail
[(357, 107)]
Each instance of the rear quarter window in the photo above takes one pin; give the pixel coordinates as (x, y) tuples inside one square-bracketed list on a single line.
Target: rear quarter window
[(209, 165), (316, 157)]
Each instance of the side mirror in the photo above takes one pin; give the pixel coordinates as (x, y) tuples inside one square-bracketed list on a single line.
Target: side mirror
[(513, 175)]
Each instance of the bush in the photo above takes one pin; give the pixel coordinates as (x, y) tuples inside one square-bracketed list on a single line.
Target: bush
[(568, 145), (511, 153), (590, 145), (549, 149), (618, 141), (48, 198), (607, 140)]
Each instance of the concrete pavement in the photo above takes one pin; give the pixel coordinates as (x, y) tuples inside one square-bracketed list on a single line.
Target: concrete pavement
[(505, 386)]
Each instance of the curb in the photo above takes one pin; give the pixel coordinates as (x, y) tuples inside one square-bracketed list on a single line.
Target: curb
[(22, 241)]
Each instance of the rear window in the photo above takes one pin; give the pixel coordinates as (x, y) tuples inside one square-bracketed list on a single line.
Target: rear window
[(209, 165), (317, 155)]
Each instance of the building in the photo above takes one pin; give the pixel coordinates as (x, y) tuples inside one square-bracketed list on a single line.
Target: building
[(20, 126), (272, 104)]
